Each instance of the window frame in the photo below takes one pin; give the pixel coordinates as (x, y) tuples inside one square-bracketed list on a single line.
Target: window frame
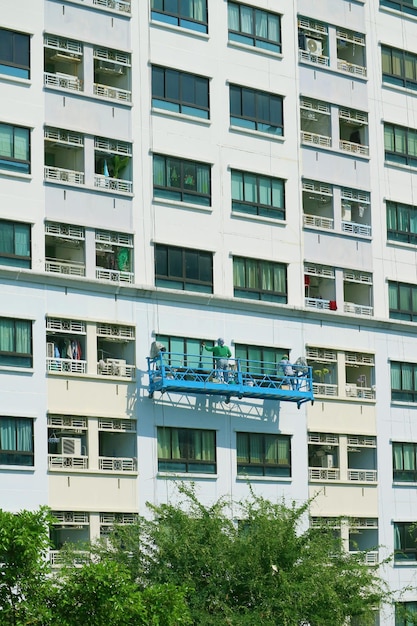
[(166, 101), (400, 135), (182, 193), (188, 463), (257, 292), (405, 533), (263, 468), (9, 162), (396, 212), (11, 456), (14, 358), (404, 59), (408, 314), (13, 66), (183, 281), (262, 354), (399, 5), (401, 456), (402, 393), (7, 258), (240, 99), (252, 39), (184, 346), (259, 209), (180, 19)]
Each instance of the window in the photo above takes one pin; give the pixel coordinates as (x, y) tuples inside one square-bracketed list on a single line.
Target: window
[(254, 27), (401, 222), (15, 342), (191, 14), (406, 6), (399, 67), (404, 457), (256, 110), (16, 441), (183, 181), (254, 194), (263, 455), (14, 148), (264, 361), (182, 268), (404, 382), (186, 450), (405, 613), (180, 92), (14, 54), (184, 352), (259, 280), (402, 301), (14, 244), (400, 145), (405, 538)]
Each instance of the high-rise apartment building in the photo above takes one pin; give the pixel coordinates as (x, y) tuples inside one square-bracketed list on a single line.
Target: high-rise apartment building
[(183, 170)]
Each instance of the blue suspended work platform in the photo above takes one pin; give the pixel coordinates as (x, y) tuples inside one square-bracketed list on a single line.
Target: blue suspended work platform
[(184, 373)]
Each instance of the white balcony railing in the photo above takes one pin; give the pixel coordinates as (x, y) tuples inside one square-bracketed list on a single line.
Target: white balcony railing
[(116, 367), (321, 473), (354, 148), (357, 229), (62, 81), (304, 56), (317, 303), (319, 222), (104, 91), (324, 389), (60, 175), (353, 391), (317, 140), (114, 275), (351, 68), (67, 366), (72, 268), (117, 5), (363, 476), (358, 309), (59, 461), (79, 557), (371, 557), (113, 184), (111, 464)]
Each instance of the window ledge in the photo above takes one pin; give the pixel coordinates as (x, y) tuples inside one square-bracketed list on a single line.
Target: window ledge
[(399, 88), (275, 221), (180, 29), (398, 13), (257, 133), (402, 244), (191, 475), (268, 479), (404, 483), (181, 116), (7, 78), (400, 166), (334, 150), (261, 51), (405, 563), (17, 370), (89, 96), (182, 205), (19, 175), (334, 70), (17, 468)]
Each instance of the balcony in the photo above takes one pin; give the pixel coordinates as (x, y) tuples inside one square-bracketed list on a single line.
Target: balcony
[(57, 266), (244, 378), (123, 6), (351, 53), (59, 80), (62, 175), (58, 559), (112, 70), (111, 464), (321, 473), (65, 366), (113, 93), (56, 462), (318, 140), (364, 476), (314, 221), (63, 63), (351, 228), (114, 253), (116, 367)]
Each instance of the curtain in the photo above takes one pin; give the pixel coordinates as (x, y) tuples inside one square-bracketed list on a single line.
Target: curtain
[(233, 16), (6, 238), (386, 61), (7, 335), (265, 196), (389, 138), (400, 140), (246, 20), (395, 376), (24, 435), (397, 538), (409, 458), (404, 297), (21, 144), (237, 186), (412, 143), (159, 171), (392, 296), (207, 445), (6, 140), (261, 24), (277, 194), (23, 336), (256, 448), (273, 28), (407, 377), (196, 9), (239, 272), (203, 179), (250, 191), (7, 434), (397, 453), (22, 240), (242, 447)]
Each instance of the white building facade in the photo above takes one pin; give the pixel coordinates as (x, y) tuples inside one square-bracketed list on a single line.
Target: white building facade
[(184, 171)]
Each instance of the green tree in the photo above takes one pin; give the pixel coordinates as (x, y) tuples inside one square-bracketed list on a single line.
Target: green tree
[(24, 569)]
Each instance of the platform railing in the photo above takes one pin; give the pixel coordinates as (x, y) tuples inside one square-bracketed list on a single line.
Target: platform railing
[(187, 373)]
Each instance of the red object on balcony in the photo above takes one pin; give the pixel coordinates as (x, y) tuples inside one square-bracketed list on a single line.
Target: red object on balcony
[(306, 281), (332, 305)]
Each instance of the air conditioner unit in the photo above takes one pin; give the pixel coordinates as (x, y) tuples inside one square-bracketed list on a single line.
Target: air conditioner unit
[(66, 57), (118, 366), (70, 446), (315, 46), (309, 115), (327, 461), (111, 68), (50, 349)]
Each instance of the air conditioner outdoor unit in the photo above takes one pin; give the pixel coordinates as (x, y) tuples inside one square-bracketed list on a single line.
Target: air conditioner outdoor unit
[(315, 46), (111, 68), (327, 461), (309, 115), (118, 366), (50, 349), (70, 446)]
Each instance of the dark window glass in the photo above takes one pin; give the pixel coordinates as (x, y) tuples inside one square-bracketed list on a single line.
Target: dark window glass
[(184, 181), (401, 222), (256, 110), (404, 457), (14, 54), (399, 67), (264, 360), (406, 6), (400, 145), (190, 14), (402, 301), (16, 441), (183, 352), (14, 148), (405, 538), (186, 450), (180, 92), (404, 382), (15, 342), (254, 27), (254, 194), (181, 268), (14, 244), (259, 280), (263, 455)]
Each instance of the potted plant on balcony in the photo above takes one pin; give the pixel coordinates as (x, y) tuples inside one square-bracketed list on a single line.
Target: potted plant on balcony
[(117, 164)]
